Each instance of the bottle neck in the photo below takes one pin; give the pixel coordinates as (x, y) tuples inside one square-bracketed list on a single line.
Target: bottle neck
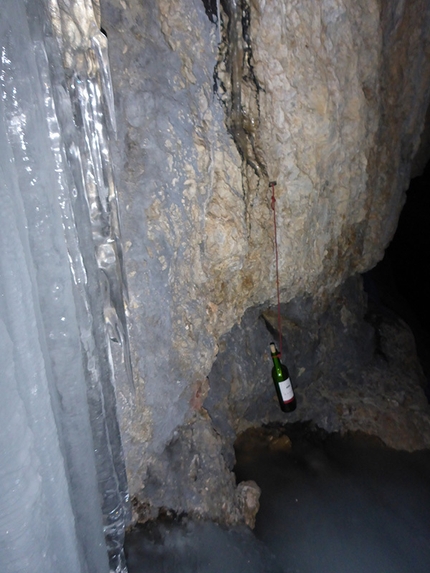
[(276, 357)]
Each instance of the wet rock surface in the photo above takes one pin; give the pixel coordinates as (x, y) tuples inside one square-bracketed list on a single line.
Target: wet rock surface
[(186, 474)]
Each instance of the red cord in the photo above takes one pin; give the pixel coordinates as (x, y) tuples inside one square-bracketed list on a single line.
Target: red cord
[(272, 185)]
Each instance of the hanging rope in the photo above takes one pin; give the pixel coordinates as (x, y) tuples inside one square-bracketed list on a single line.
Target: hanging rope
[(273, 205)]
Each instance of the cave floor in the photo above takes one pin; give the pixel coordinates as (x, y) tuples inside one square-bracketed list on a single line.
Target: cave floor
[(328, 505)]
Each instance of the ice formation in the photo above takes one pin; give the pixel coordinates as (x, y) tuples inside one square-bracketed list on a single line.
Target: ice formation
[(65, 500)]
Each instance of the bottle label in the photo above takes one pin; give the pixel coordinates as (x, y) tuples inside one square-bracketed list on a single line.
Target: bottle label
[(286, 390)]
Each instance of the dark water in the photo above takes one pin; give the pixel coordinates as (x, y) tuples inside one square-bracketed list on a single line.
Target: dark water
[(328, 505), (334, 505)]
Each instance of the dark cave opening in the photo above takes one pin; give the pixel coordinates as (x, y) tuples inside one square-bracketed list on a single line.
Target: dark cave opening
[(401, 280), (408, 252)]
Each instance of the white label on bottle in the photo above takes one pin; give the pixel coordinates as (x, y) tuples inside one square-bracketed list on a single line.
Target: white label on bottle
[(286, 390)]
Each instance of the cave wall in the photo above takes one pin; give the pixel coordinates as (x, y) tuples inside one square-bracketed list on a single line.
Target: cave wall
[(352, 361), (328, 98)]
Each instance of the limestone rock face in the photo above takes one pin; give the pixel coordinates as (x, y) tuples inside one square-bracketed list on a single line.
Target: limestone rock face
[(327, 97), (341, 113)]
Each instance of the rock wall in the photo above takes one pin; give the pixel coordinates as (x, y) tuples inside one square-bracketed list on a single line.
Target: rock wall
[(352, 361), (328, 98)]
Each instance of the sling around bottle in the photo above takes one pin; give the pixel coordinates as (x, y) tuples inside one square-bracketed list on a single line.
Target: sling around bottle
[(281, 379)]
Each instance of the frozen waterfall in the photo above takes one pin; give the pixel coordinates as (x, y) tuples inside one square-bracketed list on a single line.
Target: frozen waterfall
[(64, 501)]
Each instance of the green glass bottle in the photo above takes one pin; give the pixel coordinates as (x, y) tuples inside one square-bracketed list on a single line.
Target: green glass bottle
[(281, 379)]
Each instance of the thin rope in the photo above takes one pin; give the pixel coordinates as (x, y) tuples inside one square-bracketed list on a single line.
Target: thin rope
[(273, 203)]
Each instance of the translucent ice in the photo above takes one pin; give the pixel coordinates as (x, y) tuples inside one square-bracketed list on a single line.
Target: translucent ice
[(64, 501)]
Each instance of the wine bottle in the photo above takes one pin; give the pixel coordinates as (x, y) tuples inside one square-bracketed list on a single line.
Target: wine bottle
[(281, 379)]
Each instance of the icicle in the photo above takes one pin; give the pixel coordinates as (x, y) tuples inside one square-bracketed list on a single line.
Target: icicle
[(218, 20), (100, 46)]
